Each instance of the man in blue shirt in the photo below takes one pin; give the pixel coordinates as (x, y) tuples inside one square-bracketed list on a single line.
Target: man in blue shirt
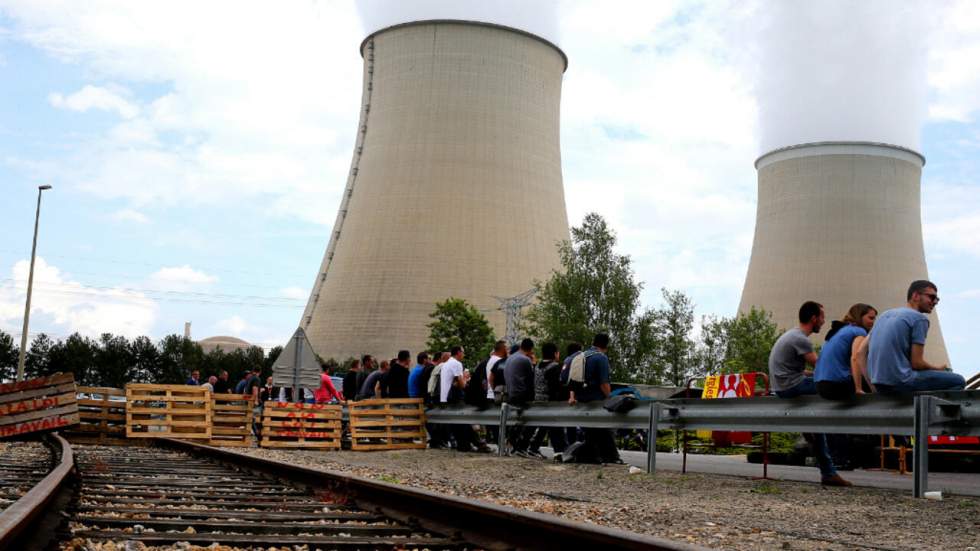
[(599, 444), (895, 350), (194, 379), (416, 384)]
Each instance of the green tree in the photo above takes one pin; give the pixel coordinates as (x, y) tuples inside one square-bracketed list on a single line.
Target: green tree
[(38, 360), (456, 322), (595, 291), (114, 360), (750, 339), (676, 321), (178, 357), (78, 355), (271, 358), (9, 355), (711, 347), (146, 360)]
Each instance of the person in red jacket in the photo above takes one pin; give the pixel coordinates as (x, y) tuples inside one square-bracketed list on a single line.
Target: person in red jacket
[(327, 392)]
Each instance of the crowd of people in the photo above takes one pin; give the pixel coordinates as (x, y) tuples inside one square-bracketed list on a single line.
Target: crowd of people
[(508, 374), (863, 353)]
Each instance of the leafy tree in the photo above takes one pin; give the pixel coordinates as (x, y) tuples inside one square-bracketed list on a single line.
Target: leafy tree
[(675, 322), (115, 361), (78, 355), (178, 357), (146, 360), (9, 356), (750, 339), (595, 291), (736, 345), (38, 360), (709, 352), (456, 322), (271, 358)]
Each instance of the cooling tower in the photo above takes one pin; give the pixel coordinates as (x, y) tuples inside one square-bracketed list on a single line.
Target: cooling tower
[(838, 223), (455, 187)]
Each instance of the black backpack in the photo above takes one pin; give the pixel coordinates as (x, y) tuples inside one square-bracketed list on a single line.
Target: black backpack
[(474, 394)]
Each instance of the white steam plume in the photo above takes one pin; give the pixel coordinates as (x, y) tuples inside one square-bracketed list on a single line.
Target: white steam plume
[(538, 17), (842, 70)]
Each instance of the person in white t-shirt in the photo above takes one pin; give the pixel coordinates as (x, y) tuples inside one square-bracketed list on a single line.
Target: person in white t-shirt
[(499, 353), (452, 374)]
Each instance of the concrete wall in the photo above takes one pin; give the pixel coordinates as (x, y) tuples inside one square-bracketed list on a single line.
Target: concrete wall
[(838, 223), (455, 186)]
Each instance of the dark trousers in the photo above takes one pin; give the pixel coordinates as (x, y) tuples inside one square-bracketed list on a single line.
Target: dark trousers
[(599, 446), (556, 436)]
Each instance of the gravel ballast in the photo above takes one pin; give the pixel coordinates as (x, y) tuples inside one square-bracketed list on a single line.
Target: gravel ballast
[(724, 512)]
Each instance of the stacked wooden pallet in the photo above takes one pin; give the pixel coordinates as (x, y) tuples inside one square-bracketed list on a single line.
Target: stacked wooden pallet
[(286, 425), (392, 424), (102, 415), (174, 411), (38, 405), (231, 420)]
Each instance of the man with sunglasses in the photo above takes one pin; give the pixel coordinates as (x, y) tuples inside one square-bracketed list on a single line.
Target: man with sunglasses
[(895, 350)]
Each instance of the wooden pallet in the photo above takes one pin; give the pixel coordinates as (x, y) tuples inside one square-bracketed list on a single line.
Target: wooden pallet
[(286, 425), (392, 424), (38, 405), (231, 420), (102, 415), (173, 411)]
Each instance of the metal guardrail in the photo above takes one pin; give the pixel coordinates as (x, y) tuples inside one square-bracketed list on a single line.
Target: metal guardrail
[(922, 415)]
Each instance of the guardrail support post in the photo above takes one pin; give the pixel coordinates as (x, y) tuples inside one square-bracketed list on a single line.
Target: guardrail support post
[(502, 431), (652, 437), (920, 453)]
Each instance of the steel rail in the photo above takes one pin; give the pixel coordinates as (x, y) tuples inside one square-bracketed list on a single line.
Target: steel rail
[(23, 512), (955, 413), (489, 525)]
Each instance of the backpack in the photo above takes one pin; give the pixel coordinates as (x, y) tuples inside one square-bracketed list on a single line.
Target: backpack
[(576, 372), (433, 385), (475, 394)]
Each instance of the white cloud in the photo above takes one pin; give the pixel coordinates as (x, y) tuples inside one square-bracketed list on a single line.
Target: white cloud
[(297, 293), (95, 97), (179, 277), (130, 215), (954, 68), (67, 306), (233, 326)]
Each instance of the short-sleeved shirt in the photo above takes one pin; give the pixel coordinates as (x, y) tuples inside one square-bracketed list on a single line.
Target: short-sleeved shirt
[(491, 362), (519, 374), (596, 373), (367, 388), (834, 363), (787, 360), (450, 370), (416, 388), (890, 347), (253, 382)]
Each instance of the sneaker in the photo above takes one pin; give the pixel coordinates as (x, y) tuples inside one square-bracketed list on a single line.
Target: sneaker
[(523, 453), (835, 480), (558, 458), (536, 454)]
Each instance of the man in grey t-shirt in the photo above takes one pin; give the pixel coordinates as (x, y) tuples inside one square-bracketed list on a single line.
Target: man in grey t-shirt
[(895, 350), (789, 378)]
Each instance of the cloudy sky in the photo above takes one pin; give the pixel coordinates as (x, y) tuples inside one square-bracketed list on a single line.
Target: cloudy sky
[(198, 149)]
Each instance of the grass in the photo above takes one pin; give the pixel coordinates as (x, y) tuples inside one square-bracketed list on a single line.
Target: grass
[(765, 488), (391, 479)]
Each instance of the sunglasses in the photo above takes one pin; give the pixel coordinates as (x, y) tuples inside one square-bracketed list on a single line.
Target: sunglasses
[(932, 296)]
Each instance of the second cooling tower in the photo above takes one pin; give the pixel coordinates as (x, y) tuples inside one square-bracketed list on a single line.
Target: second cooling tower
[(455, 188), (838, 223)]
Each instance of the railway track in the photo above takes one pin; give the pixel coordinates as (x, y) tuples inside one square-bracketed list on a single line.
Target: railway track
[(23, 465), (180, 494)]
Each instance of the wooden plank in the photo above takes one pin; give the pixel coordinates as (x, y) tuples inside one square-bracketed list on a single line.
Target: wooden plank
[(35, 392), (104, 390), (387, 424), (12, 412), (50, 380), (46, 424)]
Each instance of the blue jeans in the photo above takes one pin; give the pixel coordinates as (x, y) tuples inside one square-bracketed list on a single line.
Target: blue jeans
[(818, 442), (926, 380)]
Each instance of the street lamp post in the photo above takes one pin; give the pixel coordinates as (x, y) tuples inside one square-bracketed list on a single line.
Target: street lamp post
[(30, 287)]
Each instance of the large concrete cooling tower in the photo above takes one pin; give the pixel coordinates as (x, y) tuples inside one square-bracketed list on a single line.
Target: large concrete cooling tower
[(838, 223), (455, 189)]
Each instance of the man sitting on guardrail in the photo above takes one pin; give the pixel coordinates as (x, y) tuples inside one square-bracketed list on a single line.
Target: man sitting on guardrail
[(790, 378), (895, 350), (599, 445)]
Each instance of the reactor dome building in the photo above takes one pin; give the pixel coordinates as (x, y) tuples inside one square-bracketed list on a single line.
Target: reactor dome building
[(838, 223), (455, 187)]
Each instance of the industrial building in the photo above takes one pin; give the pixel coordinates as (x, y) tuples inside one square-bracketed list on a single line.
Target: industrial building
[(838, 223), (455, 187)]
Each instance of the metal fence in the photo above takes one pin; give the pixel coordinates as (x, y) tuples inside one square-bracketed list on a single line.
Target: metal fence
[(919, 416)]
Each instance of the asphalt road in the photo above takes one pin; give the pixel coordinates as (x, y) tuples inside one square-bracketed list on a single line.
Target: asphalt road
[(736, 465)]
